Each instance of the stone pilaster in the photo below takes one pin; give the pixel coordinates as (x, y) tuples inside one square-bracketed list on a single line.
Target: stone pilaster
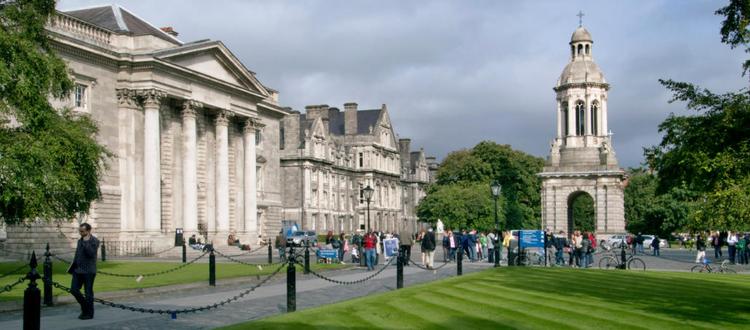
[(222, 173), (252, 125)]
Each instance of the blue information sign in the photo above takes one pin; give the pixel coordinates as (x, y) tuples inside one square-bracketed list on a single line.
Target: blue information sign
[(531, 238)]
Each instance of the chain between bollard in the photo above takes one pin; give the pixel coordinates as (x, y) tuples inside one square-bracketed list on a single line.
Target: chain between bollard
[(9, 287), (139, 275), (230, 258), (322, 277), (411, 262), (14, 271), (179, 311)]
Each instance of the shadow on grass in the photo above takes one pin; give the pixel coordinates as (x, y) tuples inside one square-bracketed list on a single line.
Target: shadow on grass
[(711, 298)]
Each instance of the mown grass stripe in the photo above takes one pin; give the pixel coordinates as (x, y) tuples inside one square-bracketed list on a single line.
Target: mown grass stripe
[(605, 312), (475, 318), (486, 308)]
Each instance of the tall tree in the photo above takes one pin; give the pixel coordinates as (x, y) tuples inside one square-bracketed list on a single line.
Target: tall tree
[(708, 153), (468, 174), (50, 161)]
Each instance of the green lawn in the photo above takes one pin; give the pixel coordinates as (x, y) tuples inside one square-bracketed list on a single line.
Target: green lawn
[(192, 273), (541, 298)]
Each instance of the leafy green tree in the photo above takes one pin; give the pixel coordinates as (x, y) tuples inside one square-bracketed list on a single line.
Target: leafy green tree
[(50, 161), (706, 155), (647, 211), (468, 174), (583, 213)]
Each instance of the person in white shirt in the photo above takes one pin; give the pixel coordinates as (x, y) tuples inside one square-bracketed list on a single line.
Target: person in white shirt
[(732, 246)]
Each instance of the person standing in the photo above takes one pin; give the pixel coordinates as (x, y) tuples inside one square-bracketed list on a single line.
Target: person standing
[(369, 243), (747, 248), (491, 241), (639, 243), (732, 246), (428, 245), (716, 243), (700, 246), (483, 246), (549, 247), (585, 251), (741, 246), (560, 243), (83, 271), (655, 246), (280, 245), (406, 240)]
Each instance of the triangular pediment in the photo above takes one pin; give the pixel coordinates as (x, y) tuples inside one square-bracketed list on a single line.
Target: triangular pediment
[(214, 60), (385, 134)]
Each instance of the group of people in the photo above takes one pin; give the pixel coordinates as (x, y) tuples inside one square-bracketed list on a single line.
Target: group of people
[(476, 246), (737, 246)]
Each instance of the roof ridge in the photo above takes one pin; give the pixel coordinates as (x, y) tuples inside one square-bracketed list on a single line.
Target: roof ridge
[(118, 17), (149, 23)]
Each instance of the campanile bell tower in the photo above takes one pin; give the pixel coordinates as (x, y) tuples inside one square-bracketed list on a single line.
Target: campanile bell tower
[(582, 160)]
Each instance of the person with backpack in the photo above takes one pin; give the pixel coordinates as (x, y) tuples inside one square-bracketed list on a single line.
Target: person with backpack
[(428, 246), (655, 246)]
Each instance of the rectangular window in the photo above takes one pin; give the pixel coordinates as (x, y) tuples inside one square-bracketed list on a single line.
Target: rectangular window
[(281, 136), (80, 94), (361, 194), (361, 160)]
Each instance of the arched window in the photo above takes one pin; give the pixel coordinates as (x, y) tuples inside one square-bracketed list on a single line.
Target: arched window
[(580, 118), (595, 118), (565, 118), (587, 49), (580, 49)]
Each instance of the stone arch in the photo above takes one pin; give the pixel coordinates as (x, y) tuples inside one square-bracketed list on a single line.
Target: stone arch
[(574, 197)]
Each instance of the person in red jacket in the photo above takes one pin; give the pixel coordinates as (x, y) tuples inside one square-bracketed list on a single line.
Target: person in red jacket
[(369, 244)]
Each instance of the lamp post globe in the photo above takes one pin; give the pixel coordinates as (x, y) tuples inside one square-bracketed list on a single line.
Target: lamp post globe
[(496, 189)]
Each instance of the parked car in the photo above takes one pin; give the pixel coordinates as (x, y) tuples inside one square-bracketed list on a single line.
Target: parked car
[(648, 238), (615, 240), (301, 238)]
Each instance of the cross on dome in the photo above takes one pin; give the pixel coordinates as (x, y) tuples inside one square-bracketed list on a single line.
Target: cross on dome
[(580, 18)]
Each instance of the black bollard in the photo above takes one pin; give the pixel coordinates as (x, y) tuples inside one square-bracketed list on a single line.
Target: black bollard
[(307, 258), (270, 252), (496, 251), (32, 307), (184, 253), (291, 284), (623, 257), (400, 269), (459, 262), (212, 268), (104, 251), (47, 277)]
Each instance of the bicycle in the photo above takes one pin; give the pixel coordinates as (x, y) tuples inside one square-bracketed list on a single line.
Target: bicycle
[(705, 266), (615, 262)]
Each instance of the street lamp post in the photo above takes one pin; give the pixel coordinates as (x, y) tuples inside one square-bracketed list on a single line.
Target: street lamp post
[(367, 193), (496, 188)]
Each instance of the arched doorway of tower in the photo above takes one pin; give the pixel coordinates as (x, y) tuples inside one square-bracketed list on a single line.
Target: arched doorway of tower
[(581, 214)]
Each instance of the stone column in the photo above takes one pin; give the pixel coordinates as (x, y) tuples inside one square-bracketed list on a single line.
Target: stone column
[(128, 104), (152, 99), (222, 172), (604, 111), (251, 193), (587, 116), (571, 119), (189, 167), (559, 120)]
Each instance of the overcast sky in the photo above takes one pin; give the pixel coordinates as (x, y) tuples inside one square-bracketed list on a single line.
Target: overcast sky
[(454, 73)]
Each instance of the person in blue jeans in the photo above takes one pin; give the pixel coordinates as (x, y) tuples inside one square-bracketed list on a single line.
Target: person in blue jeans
[(655, 246), (472, 245), (369, 242)]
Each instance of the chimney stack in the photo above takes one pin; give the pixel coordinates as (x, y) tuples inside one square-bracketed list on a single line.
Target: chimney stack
[(350, 118), (170, 31)]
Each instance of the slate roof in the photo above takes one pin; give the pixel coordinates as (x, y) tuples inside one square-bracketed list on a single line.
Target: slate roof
[(365, 119), (120, 20)]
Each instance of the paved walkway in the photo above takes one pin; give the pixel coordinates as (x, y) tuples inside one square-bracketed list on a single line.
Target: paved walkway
[(267, 300)]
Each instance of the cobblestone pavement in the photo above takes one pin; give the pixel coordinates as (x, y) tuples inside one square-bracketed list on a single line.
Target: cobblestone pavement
[(270, 299)]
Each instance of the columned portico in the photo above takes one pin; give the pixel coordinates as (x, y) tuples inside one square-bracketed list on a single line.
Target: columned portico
[(189, 167), (152, 99)]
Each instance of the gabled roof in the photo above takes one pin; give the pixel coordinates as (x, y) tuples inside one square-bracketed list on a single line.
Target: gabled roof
[(223, 57), (120, 20)]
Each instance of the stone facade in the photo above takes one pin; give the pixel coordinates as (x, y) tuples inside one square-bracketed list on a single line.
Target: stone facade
[(194, 133), (581, 159), (329, 156)]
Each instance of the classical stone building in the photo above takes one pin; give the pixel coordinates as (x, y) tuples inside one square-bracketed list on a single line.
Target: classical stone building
[(328, 156), (195, 134), (581, 159)]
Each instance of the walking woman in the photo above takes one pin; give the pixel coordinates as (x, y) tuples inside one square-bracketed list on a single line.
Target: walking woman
[(577, 247)]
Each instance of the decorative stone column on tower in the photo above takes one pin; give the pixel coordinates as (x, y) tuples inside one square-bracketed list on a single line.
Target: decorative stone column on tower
[(582, 161), (222, 176), (189, 167), (152, 99), (252, 125)]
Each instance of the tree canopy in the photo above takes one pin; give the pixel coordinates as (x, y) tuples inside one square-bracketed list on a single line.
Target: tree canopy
[(461, 196), (705, 156), (50, 161)]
